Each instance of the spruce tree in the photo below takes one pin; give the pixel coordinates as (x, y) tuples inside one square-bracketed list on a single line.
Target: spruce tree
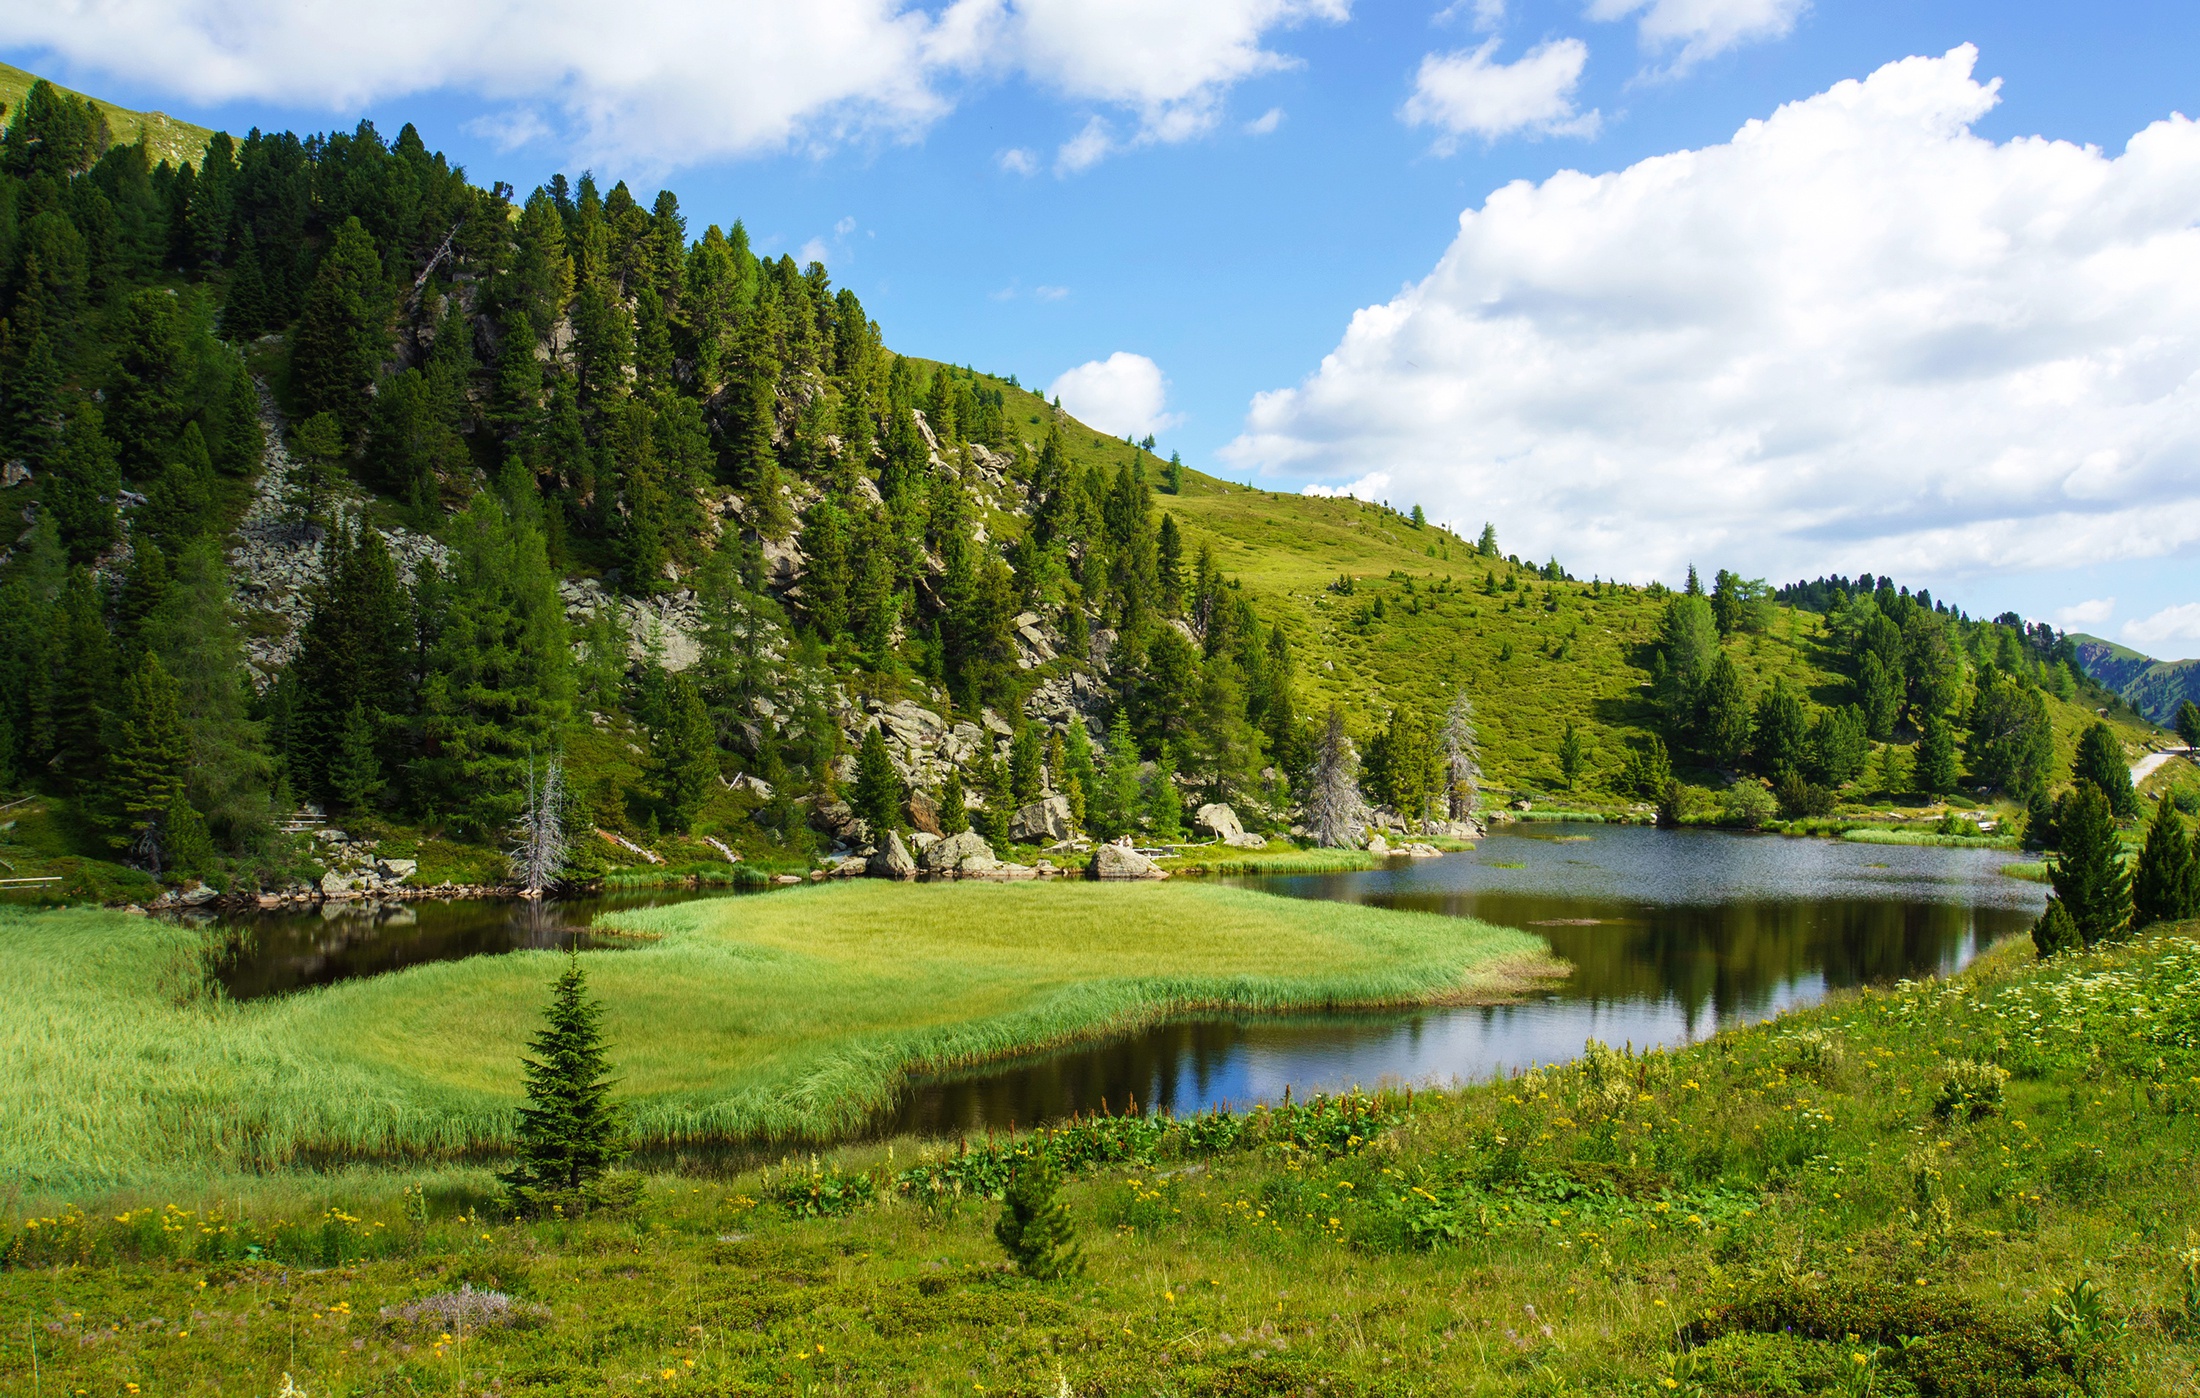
[(1113, 806), (876, 796), (1781, 736), (1723, 720), (993, 790), (2165, 887), (1034, 1226), (81, 686), (954, 805), (192, 628), (1570, 754), (354, 771), (179, 504), (683, 755), (1078, 778), (2088, 874), (570, 1131), (1025, 773), (2100, 760), (2039, 820), (2188, 723), (2055, 933), (1336, 812)]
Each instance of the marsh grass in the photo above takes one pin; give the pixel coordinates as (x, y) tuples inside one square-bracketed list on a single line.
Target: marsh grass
[(792, 1016), (1882, 835)]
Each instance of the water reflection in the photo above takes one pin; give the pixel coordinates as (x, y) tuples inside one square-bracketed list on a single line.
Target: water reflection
[(276, 952), (1672, 934)]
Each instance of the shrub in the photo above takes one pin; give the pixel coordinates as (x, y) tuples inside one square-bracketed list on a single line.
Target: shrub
[(1969, 1089), (1747, 804)]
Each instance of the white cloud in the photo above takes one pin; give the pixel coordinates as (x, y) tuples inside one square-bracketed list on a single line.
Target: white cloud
[(1701, 29), (1857, 336), (2084, 616), (1465, 94), (1265, 123), (1368, 487), (1124, 393), (1085, 149), (2177, 626), (677, 81), (1019, 162), (812, 251), (1049, 293), (845, 226)]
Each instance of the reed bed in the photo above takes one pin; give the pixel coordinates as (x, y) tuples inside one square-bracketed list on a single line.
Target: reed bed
[(795, 1016)]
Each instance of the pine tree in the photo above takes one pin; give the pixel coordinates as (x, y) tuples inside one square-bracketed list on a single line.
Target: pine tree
[(570, 1131), (683, 754), (31, 409), (148, 758), (1648, 769), (1781, 732), (2188, 723), (2055, 933), (179, 505), (354, 771), (1113, 806), (1879, 692), (954, 805), (1936, 757), (1169, 565), (355, 648), (2165, 887), (1024, 771), (81, 686), (992, 780), (2100, 760), (2089, 876), (1723, 718), (876, 797), (1077, 777), (82, 485), (342, 333), (1034, 1226), (2039, 820), (1164, 802), (1570, 754)]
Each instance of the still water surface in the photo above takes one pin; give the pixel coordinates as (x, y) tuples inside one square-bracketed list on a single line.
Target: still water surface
[(1672, 934)]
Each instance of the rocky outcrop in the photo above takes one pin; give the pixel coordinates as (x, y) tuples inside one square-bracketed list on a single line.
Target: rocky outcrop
[(1120, 861), (891, 860), (967, 853), (1045, 821), (1378, 846), (1218, 821)]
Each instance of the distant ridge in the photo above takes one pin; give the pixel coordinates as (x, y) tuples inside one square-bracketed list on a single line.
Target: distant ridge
[(177, 142), (2154, 687)]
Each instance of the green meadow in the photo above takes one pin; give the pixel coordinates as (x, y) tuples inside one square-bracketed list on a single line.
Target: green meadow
[(1980, 1186), (794, 1014)]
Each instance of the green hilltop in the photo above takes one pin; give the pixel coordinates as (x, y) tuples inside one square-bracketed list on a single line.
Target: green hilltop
[(166, 138)]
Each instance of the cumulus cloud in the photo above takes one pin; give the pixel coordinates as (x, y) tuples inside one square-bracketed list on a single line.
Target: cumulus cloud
[(1019, 162), (2084, 616), (1694, 30), (1368, 487), (668, 81), (1124, 393), (1855, 336), (1467, 94), (2177, 627)]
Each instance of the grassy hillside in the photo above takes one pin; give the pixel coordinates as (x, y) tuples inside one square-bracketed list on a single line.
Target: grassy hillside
[(1982, 1186), (177, 142)]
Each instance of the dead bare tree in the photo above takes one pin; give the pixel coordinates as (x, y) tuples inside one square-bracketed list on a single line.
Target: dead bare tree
[(538, 848), (1336, 812), (1462, 758)]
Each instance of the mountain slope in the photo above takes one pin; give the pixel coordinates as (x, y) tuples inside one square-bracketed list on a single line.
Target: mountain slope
[(2156, 688)]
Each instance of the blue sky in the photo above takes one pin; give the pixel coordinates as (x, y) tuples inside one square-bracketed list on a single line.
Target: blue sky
[(1259, 185)]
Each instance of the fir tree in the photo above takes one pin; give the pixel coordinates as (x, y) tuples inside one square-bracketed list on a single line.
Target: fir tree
[(1034, 1226), (876, 797), (2165, 887), (2100, 760), (570, 1131), (2089, 876), (683, 755)]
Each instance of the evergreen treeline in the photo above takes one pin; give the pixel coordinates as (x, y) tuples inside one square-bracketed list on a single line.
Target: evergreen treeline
[(563, 383)]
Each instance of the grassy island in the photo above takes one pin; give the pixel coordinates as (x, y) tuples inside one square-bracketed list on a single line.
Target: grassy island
[(792, 1014)]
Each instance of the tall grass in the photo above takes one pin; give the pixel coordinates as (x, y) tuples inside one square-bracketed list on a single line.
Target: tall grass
[(1878, 835), (797, 1015)]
